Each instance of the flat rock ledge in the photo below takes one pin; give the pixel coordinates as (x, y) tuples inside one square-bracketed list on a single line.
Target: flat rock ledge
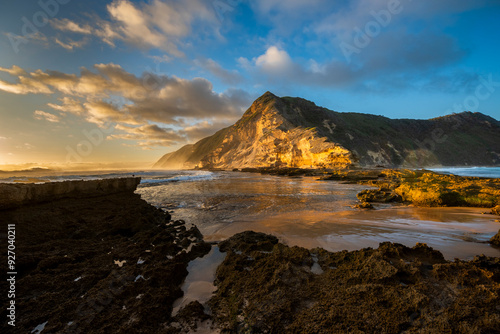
[(15, 195)]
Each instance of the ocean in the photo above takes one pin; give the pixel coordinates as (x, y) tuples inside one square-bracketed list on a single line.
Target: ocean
[(304, 211), (493, 172)]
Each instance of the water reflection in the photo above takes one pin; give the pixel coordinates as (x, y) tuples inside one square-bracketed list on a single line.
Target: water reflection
[(310, 213)]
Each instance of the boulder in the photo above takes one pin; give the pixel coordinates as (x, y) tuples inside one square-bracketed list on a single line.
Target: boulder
[(382, 195), (495, 241)]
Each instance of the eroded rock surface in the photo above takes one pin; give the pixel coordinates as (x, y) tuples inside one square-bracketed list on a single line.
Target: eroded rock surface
[(99, 264), (391, 289)]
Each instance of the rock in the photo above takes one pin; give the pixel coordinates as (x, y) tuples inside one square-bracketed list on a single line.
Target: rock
[(98, 263), (363, 205), (248, 241), (391, 289), (15, 195), (495, 241), (293, 132), (381, 195)]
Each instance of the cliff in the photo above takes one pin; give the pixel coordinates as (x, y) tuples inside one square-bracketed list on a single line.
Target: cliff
[(15, 195), (293, 132)]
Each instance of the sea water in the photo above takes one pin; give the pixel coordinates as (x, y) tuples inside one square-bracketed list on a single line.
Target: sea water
[(493, 172)]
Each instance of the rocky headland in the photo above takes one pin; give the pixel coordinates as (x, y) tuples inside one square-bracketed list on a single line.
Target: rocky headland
[(293, 132), (111, 263)]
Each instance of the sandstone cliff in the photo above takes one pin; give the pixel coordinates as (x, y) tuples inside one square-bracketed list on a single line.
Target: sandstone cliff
[(293, 132)]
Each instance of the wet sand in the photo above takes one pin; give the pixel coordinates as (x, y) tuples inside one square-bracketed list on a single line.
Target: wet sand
[(310, 213), (456, 232)]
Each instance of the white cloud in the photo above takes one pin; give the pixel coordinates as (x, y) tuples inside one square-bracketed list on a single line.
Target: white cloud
[(42, 115), (274, 61)]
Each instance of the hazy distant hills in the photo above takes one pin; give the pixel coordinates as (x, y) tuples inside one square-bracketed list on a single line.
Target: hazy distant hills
[(295, 132)]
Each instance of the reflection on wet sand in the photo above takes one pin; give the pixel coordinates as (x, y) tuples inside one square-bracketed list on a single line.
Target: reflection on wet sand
[(309, 213), (456, 232)]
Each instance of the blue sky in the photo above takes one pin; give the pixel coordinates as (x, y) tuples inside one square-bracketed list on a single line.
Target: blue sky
[(121, 81)]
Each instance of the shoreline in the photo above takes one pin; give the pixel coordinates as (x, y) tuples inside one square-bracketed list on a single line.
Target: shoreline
[(111, 261)]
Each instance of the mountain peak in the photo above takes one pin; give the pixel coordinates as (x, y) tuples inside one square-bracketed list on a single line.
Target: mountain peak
[(265, 98)]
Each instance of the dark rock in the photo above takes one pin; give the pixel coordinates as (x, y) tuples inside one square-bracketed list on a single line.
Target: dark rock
[(391, 289), (249, 241), (363, 205), (104, 263), (495, 241), (381, 195)]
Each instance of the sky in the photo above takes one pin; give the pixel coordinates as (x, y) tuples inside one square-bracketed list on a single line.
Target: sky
[(122, 82)]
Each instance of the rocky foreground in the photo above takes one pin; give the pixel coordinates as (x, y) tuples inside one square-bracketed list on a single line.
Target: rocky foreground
[(114, 264), (97, 263)]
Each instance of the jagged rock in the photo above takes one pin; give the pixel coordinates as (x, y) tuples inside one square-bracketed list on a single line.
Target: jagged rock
[(381, 195), (249, 241), (496, 239), (293, 132), (364, 205), (392, 289), (496, 210)]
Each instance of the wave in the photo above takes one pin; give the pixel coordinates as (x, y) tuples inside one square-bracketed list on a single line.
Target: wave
[(492, 172), (180, 177), (147, 177)]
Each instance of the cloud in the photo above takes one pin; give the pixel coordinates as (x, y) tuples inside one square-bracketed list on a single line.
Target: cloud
[(158, 24), (42, 115), (70, 44), (410, 63), (161, 59), (70, 26), (229, 77), (69, 105), (25, 86), (289, 16), (274, 61), (148, 136), (14, 70), (107, 94), (204, 129)]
